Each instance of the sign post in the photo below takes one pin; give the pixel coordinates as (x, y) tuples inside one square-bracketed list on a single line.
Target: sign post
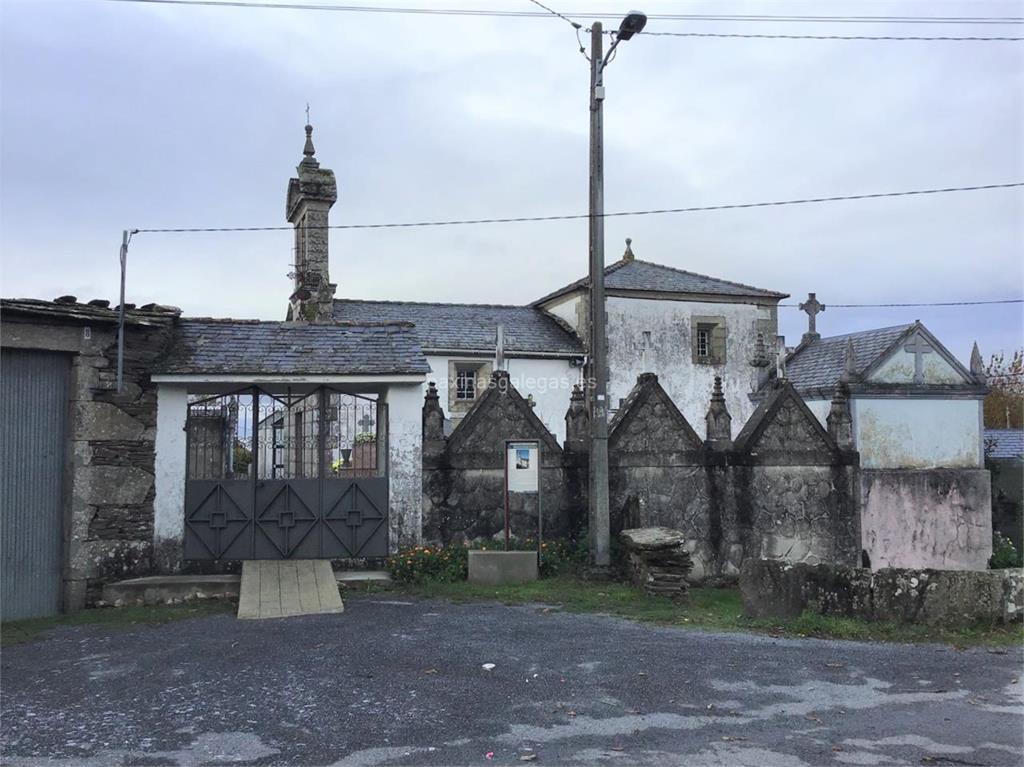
[(522, 475)]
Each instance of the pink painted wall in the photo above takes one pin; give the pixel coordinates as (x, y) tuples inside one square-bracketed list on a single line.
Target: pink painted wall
[(933, 518)]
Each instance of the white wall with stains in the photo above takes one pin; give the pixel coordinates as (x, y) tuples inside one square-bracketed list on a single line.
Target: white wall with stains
[(899, 368), (405, 464), (169, 464), (918, 433), (667, 352)]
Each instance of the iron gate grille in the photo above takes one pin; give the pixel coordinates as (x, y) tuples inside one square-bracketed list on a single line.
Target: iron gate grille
[(280, 475)]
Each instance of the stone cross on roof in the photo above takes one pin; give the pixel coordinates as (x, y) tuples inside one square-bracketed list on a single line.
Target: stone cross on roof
[(812, 308), (918, 346)]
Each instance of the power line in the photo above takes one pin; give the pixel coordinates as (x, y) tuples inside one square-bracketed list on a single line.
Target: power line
[(703, 17), (577, 216), (575, 25), (932, 303), (922, 38)]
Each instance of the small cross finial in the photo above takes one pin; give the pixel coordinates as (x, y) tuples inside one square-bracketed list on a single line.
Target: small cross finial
[(307, 113), (813, 309)]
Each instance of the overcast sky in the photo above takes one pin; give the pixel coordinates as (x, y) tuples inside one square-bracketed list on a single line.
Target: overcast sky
[(132, 116)]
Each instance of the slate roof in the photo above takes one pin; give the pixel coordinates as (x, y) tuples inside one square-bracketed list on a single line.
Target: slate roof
[(820, 363), (1004, 443), (634, 274), (468, 327), (268, 348), (70, 309)]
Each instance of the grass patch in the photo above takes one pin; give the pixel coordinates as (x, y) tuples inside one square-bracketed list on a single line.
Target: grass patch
[(708, 609), (16, 632)]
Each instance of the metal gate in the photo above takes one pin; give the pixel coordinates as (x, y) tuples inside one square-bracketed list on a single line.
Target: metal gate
[(33, 422), (286, 474)]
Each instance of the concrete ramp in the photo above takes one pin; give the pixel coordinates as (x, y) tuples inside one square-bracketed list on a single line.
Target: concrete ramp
[(278, 589)]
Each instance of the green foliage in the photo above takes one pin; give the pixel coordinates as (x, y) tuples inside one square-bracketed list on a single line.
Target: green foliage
[(242, 458), (1004, 404), (1004, 553), (449, 564), (16, 632), (430, 564), (708, 609)]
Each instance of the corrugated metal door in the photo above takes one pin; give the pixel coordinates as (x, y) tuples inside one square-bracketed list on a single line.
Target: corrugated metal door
[(33, 416)]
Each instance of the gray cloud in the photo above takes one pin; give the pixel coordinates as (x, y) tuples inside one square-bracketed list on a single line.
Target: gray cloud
[(120, 116)]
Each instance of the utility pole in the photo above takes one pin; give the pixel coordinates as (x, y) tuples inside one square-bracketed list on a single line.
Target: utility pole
[(599, 523), (120, 313), (598, 517)]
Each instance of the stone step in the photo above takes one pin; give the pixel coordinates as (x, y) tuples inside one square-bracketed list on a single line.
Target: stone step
[(163, 589), (362, 577)]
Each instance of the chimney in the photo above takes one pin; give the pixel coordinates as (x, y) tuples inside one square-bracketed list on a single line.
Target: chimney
[(310, 197)]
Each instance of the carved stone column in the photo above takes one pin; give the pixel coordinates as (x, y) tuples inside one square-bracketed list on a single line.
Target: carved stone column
[(719, 422)]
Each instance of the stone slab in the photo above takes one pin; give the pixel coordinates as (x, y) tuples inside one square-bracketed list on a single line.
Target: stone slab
[(652, 538), (496, 568), (279, 589), (161, 589), (362, 576)]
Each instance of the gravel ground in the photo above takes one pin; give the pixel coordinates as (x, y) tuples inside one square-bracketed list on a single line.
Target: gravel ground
[(392, 681)]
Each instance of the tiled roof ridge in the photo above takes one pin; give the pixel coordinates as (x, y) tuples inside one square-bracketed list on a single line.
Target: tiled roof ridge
[(431, 303), (708, 277), (290, 324), (855, 333)]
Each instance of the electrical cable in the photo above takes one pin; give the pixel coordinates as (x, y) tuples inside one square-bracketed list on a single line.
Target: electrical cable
[(577, 216)]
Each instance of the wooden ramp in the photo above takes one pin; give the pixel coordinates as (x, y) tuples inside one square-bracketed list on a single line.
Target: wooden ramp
[(278, 589)]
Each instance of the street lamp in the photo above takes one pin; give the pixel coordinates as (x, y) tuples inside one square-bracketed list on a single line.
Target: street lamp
[(599, 524)]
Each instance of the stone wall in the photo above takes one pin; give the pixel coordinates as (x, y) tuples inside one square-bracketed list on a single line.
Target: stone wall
[(784, 490), (773, 589), (109, 466), (464, 474)]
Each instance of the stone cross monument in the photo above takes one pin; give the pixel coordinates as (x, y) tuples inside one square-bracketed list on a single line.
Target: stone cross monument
[(813, 309)]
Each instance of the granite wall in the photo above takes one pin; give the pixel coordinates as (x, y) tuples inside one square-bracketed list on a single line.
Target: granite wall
[(464, 474)]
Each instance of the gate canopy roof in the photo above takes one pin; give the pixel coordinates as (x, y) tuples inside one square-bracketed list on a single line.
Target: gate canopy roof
[(254, 347)]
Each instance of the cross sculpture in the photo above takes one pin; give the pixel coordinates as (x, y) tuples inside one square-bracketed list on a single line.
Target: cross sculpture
[(812, 308), (365, 422), (499, 348), (918, 346)]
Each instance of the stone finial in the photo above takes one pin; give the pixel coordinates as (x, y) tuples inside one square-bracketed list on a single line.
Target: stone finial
[(977, 364), (761, 360), (433, 415), (840, 419), (812, 309), (308, 151), (628, 255), (531, 401), (646, 378), (719, 422), (849, 373), (577, 423)]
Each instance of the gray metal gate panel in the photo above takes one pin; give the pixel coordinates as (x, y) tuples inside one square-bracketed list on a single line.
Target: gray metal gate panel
[(287, 519), (218, 522), (33, 428), (355, 518)]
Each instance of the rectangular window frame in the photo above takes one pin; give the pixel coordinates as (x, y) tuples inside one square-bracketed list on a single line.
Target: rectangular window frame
[(466, 383), (708, 340)]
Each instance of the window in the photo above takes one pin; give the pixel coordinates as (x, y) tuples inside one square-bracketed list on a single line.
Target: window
[(465, 384), (704, 340), (708, 340)]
